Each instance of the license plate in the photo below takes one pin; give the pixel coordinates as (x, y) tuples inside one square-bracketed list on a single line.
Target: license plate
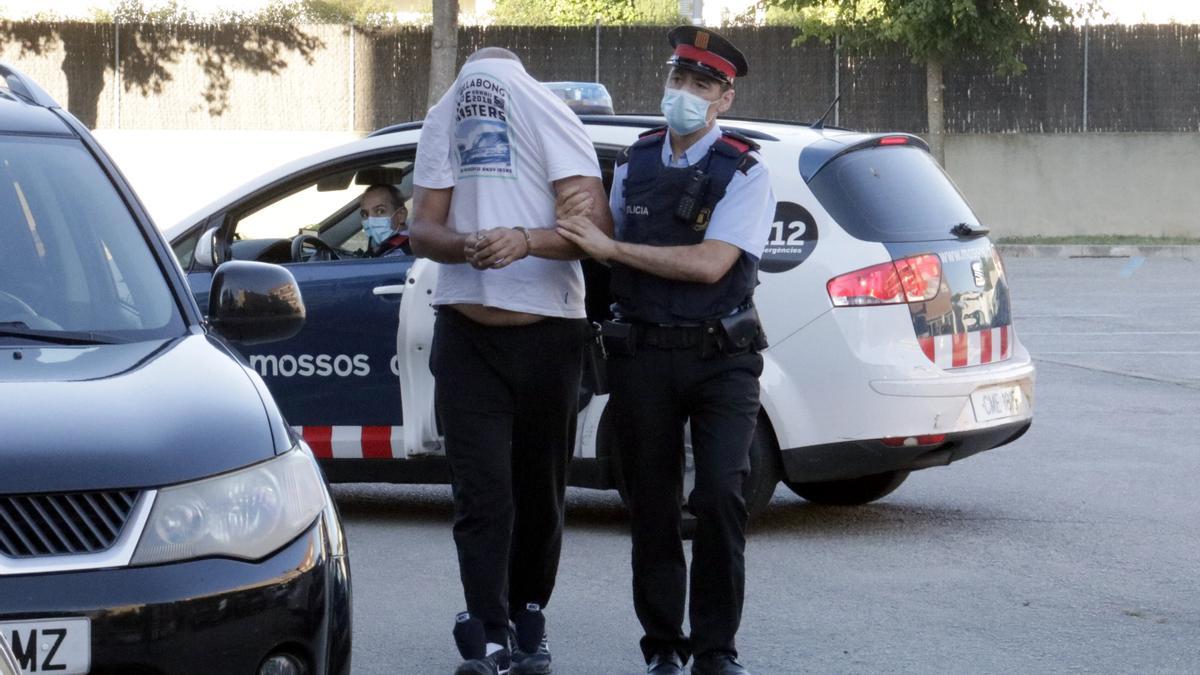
[(999, 403), (62, 646)]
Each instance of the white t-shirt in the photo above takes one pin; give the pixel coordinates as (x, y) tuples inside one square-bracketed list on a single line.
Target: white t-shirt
[(500, 139)]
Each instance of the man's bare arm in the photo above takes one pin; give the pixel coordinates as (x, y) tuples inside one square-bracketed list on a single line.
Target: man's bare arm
[(428, 233), (705, 263), (556, 245), (502, 245)]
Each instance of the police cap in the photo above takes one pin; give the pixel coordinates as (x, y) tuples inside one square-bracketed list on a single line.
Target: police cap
[(706, 52)]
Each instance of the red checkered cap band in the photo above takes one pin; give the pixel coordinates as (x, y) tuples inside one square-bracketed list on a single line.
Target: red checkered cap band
[(707, 58)]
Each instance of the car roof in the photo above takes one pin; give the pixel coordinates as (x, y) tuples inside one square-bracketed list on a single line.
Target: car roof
[(755, 128), (25, 107), (605, 129)]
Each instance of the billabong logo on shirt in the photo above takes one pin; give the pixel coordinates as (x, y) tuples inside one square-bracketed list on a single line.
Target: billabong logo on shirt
[(481, 128)]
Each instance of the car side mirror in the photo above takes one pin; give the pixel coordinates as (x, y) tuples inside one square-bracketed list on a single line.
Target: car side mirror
[(254, 302), (207, 252)]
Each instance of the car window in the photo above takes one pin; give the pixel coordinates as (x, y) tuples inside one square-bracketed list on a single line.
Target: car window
[(326, 207), (72, 257), (891, 194), (185, 248), (293, 214)]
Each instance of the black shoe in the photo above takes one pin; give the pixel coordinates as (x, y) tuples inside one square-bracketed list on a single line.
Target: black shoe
[(718, 664), (531, 650), (481, 657), (665, 664)]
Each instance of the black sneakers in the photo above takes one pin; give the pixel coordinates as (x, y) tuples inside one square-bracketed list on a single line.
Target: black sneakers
[(665, 664), (531, 651), (482, 657), (718, 664)]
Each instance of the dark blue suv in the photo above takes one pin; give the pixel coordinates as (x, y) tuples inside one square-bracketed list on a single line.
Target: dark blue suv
[(157, 514)]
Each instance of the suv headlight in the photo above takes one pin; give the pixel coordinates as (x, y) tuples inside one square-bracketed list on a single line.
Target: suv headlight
[(246, 514)]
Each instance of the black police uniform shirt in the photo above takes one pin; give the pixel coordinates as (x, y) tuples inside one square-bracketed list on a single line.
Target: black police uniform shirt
[(742, 218)]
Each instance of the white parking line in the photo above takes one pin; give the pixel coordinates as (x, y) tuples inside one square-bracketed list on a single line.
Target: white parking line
[(1113, 332), (1187, 384), (1163, 353), (1121, 332), (1020, 317)]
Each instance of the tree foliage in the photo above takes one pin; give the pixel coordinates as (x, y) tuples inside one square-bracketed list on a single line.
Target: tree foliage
[(273, 13), (586, 12), (928, 30)]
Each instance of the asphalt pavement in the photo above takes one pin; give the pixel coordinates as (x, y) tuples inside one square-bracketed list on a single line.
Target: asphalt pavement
[(1074, 549)]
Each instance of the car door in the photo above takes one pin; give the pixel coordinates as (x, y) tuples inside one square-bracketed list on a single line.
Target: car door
[(337, 380)]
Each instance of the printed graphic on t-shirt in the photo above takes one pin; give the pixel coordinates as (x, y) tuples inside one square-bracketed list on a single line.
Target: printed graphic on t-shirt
[(481, 128)]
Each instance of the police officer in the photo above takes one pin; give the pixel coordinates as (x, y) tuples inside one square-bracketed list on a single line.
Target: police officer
[(692, 208)]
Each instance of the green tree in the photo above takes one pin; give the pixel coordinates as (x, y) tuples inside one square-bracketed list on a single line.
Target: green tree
[(586, 12), (933, 32), (275, 12)]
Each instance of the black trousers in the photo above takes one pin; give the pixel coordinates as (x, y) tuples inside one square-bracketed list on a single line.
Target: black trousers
[(507, 398), (654, 393)]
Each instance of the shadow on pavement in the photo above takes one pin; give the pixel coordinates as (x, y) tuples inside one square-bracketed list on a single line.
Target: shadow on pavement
[(586, 509), (383, 501), (596, 512), (798, 517)]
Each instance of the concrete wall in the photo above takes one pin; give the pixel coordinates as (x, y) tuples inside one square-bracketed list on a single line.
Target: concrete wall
[(299, 80), (1067, 184), (193, 77), (1019, 184)]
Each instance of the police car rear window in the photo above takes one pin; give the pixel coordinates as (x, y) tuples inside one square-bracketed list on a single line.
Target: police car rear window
[(891, 194)]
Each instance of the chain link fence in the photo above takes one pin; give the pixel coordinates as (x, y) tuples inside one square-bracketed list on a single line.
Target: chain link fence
[(326, 78)]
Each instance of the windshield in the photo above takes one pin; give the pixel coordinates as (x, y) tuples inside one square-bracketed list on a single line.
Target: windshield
[(73, 262), (892, 194)]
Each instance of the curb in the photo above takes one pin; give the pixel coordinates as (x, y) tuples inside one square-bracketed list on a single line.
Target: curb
[(1097, 251)]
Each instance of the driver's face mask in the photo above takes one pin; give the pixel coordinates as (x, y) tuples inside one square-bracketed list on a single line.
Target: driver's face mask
[(378, 228)]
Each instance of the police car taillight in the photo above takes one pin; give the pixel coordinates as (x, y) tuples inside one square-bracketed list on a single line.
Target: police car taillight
[(913, 441), (913, 279)]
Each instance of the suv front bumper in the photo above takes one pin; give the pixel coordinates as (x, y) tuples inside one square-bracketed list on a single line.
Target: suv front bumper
[(203, 616)]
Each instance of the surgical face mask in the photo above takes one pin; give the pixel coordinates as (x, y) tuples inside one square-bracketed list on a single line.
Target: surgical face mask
[(685, 111), (378, 228)]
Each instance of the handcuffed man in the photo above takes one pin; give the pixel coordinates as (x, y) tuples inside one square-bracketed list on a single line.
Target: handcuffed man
[(494, 154)]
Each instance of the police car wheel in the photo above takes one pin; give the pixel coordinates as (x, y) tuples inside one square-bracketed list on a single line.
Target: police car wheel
[(765, 470), (850, 492)]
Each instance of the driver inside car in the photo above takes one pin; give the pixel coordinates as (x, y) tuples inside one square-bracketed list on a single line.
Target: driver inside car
[(384, 220)]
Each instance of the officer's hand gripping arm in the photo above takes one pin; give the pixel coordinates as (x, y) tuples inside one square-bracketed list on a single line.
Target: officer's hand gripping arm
[(573, 201), (579, 196)]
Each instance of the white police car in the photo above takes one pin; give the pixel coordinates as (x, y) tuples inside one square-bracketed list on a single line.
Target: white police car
[(887, 308)]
